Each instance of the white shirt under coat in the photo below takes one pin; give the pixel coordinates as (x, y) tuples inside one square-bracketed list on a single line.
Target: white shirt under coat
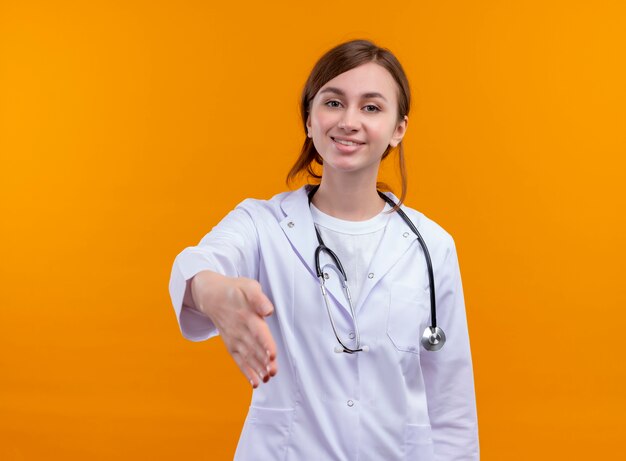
[(395, 402), (354, 243)]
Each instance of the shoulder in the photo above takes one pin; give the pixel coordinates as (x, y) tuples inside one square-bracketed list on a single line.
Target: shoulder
[(428, 227), (433, 233), (268, 208), (439, 242)]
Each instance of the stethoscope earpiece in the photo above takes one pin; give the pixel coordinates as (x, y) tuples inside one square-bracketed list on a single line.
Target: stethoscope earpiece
[(433, 339)]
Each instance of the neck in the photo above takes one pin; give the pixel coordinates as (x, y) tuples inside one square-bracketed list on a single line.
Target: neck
[(353, 198)]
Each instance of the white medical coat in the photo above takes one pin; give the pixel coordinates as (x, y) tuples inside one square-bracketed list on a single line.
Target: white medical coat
[(395, 402)]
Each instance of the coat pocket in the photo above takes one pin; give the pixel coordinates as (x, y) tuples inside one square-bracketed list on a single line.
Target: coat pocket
[(265, 434), (418, 443), (409, 313)]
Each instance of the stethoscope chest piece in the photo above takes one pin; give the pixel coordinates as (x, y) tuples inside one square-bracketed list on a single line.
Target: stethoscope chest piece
[(433, 339)]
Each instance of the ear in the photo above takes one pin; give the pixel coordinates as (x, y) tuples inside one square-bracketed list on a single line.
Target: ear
[(308, 125), (399, 132)]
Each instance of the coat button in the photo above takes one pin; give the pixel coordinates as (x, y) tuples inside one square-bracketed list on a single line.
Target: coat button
[(326, 276), (350, 403), (351, 335), (370, 275), (290, 224), (405, 235)]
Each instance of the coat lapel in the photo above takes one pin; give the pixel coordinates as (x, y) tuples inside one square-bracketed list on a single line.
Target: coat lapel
[(299, 229), (395, 242)]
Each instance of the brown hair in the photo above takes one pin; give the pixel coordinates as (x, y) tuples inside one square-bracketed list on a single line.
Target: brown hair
[(336, 61)]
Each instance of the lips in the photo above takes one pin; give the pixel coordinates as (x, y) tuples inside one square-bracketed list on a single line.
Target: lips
[(347, 142), (347, 146)]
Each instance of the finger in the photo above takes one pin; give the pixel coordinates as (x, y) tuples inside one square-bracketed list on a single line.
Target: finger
[(263, 306), (257, 299), (273, 368), (255, 370), (248, 372), (252, 356), (248, 350), (270, 367), (263, 342)]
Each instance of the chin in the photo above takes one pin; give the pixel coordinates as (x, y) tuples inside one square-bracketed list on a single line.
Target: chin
[(345, 167)]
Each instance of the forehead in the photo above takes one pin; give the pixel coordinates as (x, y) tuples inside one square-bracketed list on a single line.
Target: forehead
[(366, 78)]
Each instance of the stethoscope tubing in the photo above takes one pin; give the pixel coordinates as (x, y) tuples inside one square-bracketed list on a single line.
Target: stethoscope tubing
[(433, 338), (429, 264)]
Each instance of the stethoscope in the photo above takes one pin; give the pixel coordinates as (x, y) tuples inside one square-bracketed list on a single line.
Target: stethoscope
[(433, 338)]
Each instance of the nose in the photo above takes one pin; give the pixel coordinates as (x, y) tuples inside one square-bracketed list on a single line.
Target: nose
[(349, 120)]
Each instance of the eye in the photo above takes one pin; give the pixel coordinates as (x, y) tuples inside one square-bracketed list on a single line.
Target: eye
[(371, 108), (332, 103)]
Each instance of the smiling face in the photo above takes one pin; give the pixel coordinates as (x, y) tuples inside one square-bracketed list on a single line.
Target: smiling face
[(354, 118)]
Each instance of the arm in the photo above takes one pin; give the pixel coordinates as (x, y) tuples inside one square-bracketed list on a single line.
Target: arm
[(230, 249), (448, 374), (213, 287)]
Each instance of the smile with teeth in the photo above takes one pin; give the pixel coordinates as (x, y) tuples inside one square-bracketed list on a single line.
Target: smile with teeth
[(346, 143)]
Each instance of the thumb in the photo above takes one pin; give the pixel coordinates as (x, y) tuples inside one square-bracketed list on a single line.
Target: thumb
[(264, 306)]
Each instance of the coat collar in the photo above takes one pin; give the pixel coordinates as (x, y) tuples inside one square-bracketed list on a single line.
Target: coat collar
[(299, 229)]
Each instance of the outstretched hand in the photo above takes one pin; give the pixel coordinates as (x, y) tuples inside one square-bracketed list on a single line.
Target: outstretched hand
[(238, 307)]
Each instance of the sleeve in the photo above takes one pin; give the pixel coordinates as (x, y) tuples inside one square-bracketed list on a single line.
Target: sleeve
[(231, 249), (448, 374)]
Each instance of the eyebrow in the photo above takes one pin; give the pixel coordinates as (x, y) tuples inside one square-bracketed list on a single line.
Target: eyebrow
[(373, 94)]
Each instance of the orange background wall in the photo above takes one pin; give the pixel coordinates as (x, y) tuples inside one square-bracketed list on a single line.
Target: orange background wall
[(128, 129)]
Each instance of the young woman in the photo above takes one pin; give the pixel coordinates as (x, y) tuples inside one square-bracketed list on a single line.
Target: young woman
[(358, 299)]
